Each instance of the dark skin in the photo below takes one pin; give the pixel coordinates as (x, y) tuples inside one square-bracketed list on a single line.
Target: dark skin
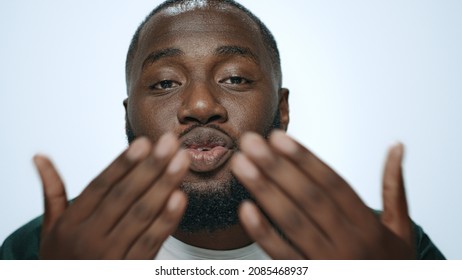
[(197, 78)]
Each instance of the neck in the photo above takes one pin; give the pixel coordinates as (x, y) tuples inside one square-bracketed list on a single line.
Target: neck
[(229, 239)]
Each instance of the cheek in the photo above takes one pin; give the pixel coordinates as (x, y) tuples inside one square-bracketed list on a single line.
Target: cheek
[(151, 118), (254, 113)]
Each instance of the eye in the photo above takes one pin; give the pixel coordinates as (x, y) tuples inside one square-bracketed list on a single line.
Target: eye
[(235, 81), (165, 84)]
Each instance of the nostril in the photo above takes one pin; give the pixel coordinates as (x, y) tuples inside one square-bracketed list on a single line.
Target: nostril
[(205, 120), (189, 120), (215, 118), (201, 108)]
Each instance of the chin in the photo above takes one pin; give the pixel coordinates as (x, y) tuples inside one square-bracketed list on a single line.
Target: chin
[(216, 181), (213, 200)]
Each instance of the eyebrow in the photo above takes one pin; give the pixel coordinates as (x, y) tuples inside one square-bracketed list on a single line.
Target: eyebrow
[(156, 55), (237, 50), (220, 51)]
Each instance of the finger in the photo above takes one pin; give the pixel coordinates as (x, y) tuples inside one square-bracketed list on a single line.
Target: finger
[(54, 193), (296, 226), (149, 206), (148, 244), (130, 188), (92, 196), (395, 214), (309, 198), (259, 229), (337, 188)]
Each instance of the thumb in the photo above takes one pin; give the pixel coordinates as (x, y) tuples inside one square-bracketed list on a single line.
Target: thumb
[(55, 198), (395, 214)]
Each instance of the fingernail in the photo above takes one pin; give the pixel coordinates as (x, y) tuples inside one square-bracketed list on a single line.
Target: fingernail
[(164, 144), (177, 162), (397, 149), (253, 143), (250, 215), (283, 142), (245, 167), (37, 159), (137, 149), (173, 202)]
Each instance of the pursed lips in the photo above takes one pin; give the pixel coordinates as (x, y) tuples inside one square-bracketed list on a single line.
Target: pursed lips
[(209, 148)]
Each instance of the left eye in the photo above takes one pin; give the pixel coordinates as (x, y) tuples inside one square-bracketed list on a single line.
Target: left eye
[(165, 84), (235, 81)]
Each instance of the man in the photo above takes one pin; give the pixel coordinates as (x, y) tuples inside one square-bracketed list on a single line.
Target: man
[(206, 174)]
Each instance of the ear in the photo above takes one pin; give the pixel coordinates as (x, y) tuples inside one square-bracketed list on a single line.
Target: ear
[(284, 107), (125, 105), (125, 102)]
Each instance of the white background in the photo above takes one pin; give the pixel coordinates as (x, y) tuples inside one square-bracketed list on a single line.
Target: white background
[(362, 75)]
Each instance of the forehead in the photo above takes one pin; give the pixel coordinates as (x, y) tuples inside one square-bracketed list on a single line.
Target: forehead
[(195, 28)]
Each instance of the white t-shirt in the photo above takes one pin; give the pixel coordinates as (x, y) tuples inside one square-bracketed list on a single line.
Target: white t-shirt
[(174, 249)]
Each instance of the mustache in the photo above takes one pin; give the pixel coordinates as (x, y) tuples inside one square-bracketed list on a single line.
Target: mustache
[(212, 126), (131, 136), (276, 123)]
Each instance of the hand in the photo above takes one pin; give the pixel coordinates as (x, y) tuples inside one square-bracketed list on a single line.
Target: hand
[(125, 213), (317, 215)]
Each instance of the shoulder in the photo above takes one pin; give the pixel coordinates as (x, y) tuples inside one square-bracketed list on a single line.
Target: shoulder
[(426, 250), (23, 244)]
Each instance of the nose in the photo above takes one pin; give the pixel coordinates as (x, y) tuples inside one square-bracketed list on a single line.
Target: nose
[(201, 105)]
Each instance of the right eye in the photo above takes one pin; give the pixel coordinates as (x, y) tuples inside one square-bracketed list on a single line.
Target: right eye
[(165, 84), (235, 80)]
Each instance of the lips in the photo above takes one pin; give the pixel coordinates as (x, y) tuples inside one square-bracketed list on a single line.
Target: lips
[(209, 148)]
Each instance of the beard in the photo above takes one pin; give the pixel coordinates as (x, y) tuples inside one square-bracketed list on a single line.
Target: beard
[(216, 206)]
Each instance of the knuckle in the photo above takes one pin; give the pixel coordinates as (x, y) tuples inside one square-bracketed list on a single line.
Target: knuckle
[(270, 162), (123, 162), (334, 218), (310, 196), (150, 161), (261, 185), (319, 244), (168, 181), (334, 183), (306, 158), (332, 180), (149, 241), (291, 222), (261, 233), (168, 218), (142, 212), (390, 182), (99, 182), (120, 191)]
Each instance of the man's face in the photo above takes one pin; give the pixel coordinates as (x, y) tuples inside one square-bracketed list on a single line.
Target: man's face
[(206, 76)]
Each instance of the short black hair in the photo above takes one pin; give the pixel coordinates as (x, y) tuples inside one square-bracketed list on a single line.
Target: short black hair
[(267, 36)]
